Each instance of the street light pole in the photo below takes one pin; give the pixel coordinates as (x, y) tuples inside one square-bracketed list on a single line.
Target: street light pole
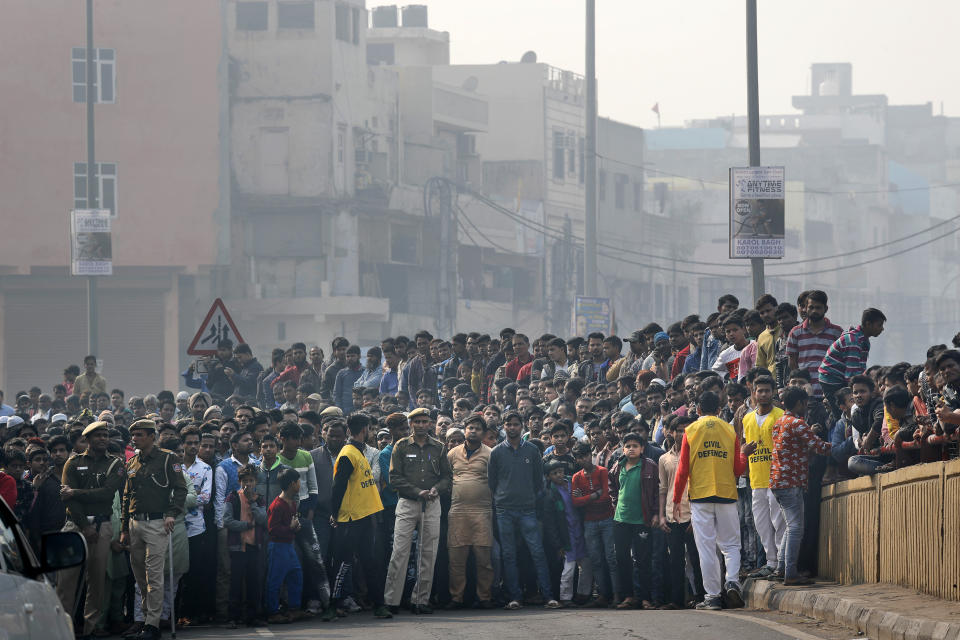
[(590, 159), (753, 124), (92, 190)]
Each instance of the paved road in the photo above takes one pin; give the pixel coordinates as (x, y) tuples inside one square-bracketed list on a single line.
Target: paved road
[(536, 624)]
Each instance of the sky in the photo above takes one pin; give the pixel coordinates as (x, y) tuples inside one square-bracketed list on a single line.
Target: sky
[(690, 55)]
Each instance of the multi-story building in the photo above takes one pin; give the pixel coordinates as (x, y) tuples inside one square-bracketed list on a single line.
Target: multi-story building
[(161, 133), (861, 174), (332, 236)]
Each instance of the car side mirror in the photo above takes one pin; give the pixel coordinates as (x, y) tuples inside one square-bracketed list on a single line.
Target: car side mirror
[(62, 550)]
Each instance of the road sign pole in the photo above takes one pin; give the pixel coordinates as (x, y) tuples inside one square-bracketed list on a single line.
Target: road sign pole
[(753, 125)]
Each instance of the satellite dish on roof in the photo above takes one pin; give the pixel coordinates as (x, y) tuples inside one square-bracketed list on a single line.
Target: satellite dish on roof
[(470, 84), (529, 57)]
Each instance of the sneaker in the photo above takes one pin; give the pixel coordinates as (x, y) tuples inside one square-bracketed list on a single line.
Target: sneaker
[(734, 597), (513, 605), (313, 607), (382, 612), (763, 572), (350, 605), (776, 576), (709, 604), (553, 604)]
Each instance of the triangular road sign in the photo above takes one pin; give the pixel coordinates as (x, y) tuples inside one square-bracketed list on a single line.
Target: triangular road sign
[(217, 326)]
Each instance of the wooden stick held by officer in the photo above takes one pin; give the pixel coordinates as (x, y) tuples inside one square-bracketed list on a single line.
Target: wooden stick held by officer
[(152, 499)]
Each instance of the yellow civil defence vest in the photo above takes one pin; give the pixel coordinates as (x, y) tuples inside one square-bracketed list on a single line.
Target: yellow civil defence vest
[(762, 434), (362, 497), (711, 442)]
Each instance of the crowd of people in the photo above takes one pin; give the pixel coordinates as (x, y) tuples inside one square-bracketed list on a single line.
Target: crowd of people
[(476, 471)]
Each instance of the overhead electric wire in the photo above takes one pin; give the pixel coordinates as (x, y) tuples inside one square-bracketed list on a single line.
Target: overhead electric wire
[(557, 235), (871, 260), (467, 233), (495, 245), (876, 246), (542, 228)]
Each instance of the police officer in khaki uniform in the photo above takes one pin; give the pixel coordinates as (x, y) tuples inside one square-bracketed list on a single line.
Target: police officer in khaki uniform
[(89, 484), (152, 499)]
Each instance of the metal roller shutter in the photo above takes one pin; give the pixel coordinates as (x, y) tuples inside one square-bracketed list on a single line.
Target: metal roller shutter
[(46, 331)]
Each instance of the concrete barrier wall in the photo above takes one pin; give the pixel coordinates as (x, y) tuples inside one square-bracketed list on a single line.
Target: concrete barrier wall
[(901, 528)]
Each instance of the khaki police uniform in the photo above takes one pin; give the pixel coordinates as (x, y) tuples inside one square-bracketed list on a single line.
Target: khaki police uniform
[(95, 480), (415, 468), (155, 490)]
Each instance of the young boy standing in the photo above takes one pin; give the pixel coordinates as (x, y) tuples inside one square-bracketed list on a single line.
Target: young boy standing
[(634, 516), (560, 437), (564, 533), (591, 493), (245, 518), (282, 526)]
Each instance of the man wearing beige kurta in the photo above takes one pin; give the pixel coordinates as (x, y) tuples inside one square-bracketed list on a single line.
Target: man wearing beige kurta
[(470, 522)]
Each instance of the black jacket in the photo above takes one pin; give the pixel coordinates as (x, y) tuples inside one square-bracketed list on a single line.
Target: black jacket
[(870, 418)]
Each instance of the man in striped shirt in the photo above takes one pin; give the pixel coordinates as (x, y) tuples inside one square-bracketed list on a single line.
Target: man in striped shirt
[(808, 342), (847, 356)]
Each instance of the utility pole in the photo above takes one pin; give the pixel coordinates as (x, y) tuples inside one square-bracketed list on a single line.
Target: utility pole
[(447, 255), (590, 158), (753, 124), (92, 187)]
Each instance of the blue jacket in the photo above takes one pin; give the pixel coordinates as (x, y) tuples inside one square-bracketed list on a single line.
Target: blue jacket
[(343, 388), (389, 383), (230, 467), (692, 363), (709, 351)]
